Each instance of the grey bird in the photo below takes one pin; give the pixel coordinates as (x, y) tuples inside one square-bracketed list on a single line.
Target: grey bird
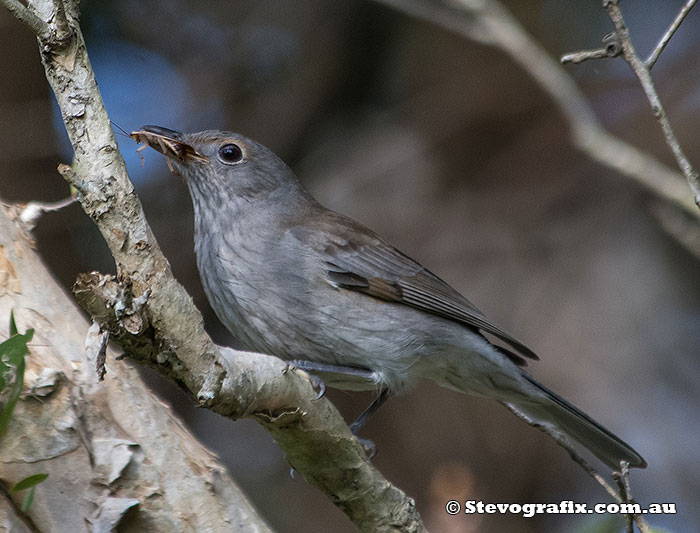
[(290, 278)]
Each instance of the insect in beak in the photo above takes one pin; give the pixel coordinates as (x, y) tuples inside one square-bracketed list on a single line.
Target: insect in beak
[(168, 143)]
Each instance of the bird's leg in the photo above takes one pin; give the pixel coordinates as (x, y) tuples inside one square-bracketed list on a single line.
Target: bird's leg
[(368, 445), (331, 372), (325, 368), (321, 372), (376, 404)]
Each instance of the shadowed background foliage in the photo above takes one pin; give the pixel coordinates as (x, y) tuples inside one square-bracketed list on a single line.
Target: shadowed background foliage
[(450, 151)]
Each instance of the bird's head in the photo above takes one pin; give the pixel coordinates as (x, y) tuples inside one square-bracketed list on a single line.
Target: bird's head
[(219, 165)]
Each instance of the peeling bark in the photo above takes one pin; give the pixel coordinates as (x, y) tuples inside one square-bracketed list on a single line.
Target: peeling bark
[(153, 318), (112, 450)]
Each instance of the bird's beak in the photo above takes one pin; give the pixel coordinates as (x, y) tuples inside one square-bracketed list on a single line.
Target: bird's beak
[(167, 142)]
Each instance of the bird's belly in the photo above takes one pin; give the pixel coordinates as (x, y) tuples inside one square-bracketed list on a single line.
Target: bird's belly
[(326, 325)]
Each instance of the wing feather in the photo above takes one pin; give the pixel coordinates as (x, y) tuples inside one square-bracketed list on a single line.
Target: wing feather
[(361, 261)]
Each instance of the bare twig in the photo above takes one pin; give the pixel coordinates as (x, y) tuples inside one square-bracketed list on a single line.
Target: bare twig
[(651, 60), (611, 49), (585, 55), (563, 441), (26, 16), (622, 480), (623, 495), (642, 73), (31, 212), (489, 23)]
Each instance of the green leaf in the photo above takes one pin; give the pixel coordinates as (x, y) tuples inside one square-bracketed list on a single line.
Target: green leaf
[(28, 499), (28, 482), (12, 365), (11, 355), (13, 326)]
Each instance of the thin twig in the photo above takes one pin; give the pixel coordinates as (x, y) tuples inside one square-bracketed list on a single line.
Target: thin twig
[(27, 17), (490, 24), (626, 490), (565, 443), (622, 479), (624, 495), (611, 49), (651, 60), (585, 55), (623, 482), (642, 73), (31, 212)]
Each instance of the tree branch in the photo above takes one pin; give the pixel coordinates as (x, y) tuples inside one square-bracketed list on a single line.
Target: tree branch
[(103, 445), (563, 441), (623, 494), (642, 73), (651, 60), (610, 49), (619, 43), (154, 319), (490, 24), (26, 16)]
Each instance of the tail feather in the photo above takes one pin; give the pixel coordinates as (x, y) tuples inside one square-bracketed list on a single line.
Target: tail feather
[(577, 425)]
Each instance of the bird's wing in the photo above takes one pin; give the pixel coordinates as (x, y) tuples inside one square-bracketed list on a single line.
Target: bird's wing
[(357, 259)]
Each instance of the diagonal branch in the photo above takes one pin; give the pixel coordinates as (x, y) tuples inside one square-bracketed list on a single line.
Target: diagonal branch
[(642, 73), (490, 24), (26, 16), (563, 441), (651, 60), (151, 315), (620, 496)]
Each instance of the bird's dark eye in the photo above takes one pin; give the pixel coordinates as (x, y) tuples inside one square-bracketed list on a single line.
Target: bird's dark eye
[(230, 153)]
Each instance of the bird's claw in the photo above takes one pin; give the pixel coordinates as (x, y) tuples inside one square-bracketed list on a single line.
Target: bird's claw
[(318, 385), (368, 446)]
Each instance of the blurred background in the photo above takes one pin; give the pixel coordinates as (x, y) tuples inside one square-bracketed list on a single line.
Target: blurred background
[(453, 153)]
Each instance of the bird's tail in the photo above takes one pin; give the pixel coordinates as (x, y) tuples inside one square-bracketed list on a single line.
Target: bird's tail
[(553, 411)]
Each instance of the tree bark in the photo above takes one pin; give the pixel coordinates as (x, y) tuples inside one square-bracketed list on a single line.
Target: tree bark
[(114, 453), (153, 318)]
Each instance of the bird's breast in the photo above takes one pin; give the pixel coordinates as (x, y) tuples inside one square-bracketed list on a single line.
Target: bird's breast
[(275, 297)]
